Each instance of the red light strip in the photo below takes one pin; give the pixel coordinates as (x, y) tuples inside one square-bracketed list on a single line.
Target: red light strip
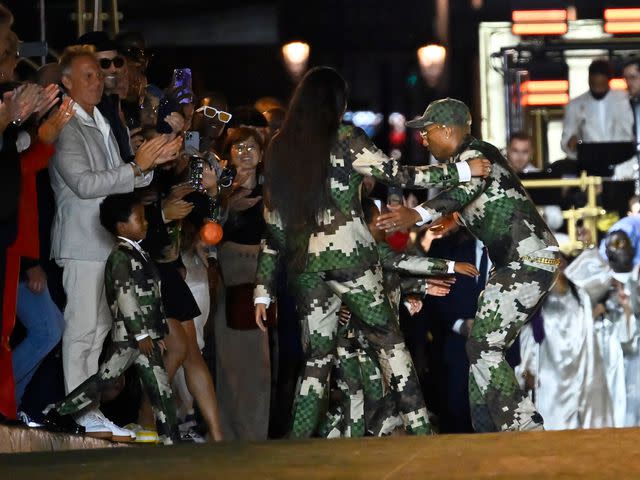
[(618, 14), (545, 86), (544, 99), (534, 16)]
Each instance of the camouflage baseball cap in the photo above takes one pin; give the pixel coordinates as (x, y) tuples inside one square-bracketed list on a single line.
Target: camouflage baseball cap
[(446, 111)]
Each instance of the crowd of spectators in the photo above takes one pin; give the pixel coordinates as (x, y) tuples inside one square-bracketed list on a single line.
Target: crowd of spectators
[(99, 169)]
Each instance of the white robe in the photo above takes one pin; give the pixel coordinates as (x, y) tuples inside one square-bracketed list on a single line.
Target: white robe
[(609, 342), (571, 387), (628, 332)]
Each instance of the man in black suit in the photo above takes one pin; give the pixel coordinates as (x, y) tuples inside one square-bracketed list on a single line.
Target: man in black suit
[(451, 319)]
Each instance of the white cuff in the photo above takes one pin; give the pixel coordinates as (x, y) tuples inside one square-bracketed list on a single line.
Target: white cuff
[(464, 171), (164, 219), (451, 266), (141, 336), (264, 300), (144, 180), (458, 326), (23, 142), (426, 216)]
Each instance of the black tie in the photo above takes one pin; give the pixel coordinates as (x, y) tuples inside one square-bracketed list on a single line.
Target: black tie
[(482, 278)]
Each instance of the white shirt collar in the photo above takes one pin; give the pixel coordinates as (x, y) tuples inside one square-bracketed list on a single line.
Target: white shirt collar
[(101, 123), (135, 245)]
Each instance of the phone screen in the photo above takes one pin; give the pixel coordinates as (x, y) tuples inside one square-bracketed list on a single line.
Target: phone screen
[(182, 82), (192, 141)]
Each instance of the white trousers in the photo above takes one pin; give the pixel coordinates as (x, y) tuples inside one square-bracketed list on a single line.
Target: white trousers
[(87, 319)]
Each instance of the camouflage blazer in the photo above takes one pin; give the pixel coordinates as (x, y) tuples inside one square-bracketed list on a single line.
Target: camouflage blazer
[(497, 210), (132, 286), (342, 239)]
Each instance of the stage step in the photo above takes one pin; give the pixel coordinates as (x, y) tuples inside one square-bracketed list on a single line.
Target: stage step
[(537, 455), (22, 439)]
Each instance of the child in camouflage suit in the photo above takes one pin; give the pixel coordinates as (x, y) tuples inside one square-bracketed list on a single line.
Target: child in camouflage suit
[(498, 211), (132, 288)]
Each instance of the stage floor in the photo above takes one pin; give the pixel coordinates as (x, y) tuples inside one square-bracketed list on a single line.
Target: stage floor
[(536, 455)]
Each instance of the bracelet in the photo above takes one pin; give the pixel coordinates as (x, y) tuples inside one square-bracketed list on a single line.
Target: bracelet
[(137, 168)]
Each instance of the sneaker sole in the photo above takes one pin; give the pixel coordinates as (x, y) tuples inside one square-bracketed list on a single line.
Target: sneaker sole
[(146, 440), (100, 435)]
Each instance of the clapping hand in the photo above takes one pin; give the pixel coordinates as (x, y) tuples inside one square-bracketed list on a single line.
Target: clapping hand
[(50, 129), (47, 100), (25, 101)]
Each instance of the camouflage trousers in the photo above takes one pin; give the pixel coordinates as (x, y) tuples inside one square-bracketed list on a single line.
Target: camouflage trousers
[(152, 374), (319, 296), (364, 406), (512, 294)]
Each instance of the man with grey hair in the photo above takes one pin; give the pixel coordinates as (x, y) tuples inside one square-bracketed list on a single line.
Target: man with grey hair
[(85, 169), (114, 71)]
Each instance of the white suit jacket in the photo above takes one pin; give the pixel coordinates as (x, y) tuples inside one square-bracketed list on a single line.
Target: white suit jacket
[(584, 117), (83, 172)]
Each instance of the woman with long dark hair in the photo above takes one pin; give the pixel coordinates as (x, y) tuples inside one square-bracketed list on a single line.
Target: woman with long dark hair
[(313, 173)]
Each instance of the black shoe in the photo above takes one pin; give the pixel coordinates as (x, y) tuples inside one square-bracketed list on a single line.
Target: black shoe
[(54, 422)]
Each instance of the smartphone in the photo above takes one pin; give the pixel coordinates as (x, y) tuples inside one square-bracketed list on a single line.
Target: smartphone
[(32, 49), (192, 141), (182, 82), (394, 195)]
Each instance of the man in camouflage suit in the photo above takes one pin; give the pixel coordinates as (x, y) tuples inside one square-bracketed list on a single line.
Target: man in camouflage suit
[(132, 287), (342, 265), (497, 211)]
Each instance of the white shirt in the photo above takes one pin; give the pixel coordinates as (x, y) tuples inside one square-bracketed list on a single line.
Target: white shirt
[(479, 246), (101, 123), (591, 120)]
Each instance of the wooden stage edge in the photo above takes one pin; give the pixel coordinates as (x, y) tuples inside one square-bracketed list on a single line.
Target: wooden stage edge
[(607, 453)]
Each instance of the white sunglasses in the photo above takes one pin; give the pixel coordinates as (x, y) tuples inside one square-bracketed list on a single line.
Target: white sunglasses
[(211, 112)]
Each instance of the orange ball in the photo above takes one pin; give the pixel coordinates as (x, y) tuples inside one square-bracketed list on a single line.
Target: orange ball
[(211, 233)]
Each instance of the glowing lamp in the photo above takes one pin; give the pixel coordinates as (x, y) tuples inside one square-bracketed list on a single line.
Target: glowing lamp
[(431, 60), (296, 55)]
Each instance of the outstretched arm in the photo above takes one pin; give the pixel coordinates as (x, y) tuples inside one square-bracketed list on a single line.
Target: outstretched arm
[(447, 202), (412, 264), (368, 159)]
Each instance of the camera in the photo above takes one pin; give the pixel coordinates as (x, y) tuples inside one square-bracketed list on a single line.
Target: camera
[(225, 176)]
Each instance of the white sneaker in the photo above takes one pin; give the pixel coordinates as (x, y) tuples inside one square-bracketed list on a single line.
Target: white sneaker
[(26, 419), (191, 436), (93, 424), (118, 434)]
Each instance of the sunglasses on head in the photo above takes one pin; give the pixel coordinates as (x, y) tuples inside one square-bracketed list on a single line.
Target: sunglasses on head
[(105, 63), (211, 112)]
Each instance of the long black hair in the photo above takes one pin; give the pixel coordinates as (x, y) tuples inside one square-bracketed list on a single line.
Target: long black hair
[(297, 159)]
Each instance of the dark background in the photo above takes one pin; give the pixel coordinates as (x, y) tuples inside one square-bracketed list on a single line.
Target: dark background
[(234, 47)]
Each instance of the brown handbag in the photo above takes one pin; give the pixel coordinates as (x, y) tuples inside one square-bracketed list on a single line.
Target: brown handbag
[(240, 309)]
